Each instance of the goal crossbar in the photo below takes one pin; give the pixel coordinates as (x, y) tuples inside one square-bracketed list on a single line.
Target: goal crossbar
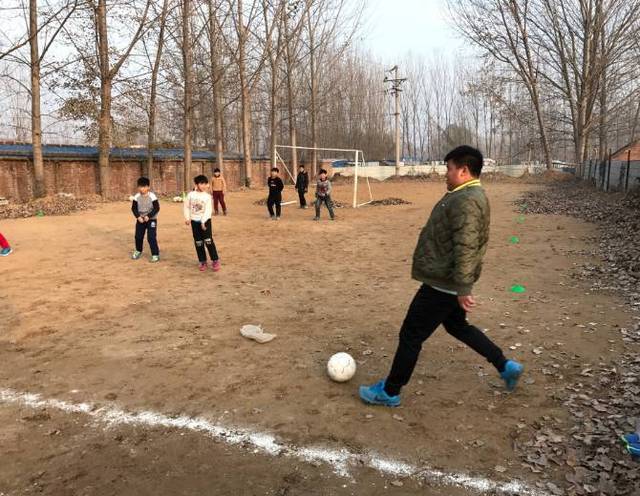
[(359, 157)]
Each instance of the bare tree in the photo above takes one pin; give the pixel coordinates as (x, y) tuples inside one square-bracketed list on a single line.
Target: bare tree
[(108, 71), (502, 29), (153, 92), (216, 74), (48, 29), (187, 57)]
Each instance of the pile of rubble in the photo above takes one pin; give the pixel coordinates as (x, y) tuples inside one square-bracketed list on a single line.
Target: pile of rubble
[(605, 402), (61, 204), (389, 201), (432, 177)]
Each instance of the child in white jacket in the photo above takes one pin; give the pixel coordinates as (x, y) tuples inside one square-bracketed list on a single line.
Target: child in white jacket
[(197, 212)]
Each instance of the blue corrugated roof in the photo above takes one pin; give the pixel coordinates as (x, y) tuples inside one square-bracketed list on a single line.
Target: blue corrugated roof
[(91, 152)]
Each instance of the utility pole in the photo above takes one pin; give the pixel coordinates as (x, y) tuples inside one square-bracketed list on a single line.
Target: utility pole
[(396, 89)]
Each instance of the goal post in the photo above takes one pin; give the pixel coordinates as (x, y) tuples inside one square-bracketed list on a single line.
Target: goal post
[(358, 163)]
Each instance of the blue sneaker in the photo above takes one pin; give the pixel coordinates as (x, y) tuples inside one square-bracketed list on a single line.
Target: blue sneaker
[(5, 251), (634, 450), (512, 372), (376, 395), (632, 438)]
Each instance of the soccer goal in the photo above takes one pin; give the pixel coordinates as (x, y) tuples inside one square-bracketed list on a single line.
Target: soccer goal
[(358, 160)]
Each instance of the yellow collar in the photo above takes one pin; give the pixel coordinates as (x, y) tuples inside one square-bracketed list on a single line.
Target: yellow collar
[(468, 184)]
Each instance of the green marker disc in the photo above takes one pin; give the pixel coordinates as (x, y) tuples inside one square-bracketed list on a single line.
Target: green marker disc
[(39, 213), (517, 288), (520, 219), (514, 240)]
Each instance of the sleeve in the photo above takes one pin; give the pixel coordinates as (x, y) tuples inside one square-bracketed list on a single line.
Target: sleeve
[(280, 185), (466, 221), (208, 210), (155, 204), (329, 187), (187, 207), (134, 208), (306, 181), (224, 184)]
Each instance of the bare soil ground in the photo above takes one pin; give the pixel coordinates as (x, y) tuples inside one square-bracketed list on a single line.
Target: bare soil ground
[(79, 321)]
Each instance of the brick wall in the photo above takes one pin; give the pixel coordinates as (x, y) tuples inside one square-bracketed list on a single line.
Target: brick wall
[(623, 153), (80, 177)]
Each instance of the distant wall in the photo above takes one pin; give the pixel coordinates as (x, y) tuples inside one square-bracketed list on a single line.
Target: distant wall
[(382, 172), (80, 177)]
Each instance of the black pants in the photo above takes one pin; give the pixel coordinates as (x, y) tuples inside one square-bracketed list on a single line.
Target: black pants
[(303, 200), (327, 201), (202, 238), (274, 200), (151, 229), (427, 311)]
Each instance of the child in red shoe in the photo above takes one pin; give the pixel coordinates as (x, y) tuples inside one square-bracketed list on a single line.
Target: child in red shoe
[(5, 248)]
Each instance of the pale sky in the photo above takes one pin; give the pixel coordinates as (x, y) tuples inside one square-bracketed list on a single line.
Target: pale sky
[(396, 27)]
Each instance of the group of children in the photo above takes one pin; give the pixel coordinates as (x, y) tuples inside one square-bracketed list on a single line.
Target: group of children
[(200, 205), (323, 192)]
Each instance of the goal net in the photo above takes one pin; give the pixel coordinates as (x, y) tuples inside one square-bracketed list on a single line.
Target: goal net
[(362, 194)]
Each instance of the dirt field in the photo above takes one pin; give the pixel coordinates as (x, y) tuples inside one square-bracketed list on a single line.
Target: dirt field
[(81, 322)]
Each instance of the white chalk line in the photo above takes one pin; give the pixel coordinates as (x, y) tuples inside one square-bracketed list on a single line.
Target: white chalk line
[(341, 460)]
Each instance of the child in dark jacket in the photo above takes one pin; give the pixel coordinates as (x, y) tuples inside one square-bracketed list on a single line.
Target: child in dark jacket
[(145, 207), (274, 199), (302, 186)]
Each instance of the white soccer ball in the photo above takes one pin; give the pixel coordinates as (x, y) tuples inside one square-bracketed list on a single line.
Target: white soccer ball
[(341, 367)]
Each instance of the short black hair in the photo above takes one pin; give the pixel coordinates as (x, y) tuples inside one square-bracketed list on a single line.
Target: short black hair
[(143, 181), (322, 171), (216, 170), (302, 166), (275, 169), (469, 156), (201, 179)]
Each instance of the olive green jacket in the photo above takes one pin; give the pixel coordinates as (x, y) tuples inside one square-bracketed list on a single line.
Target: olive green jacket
[(452, 244)]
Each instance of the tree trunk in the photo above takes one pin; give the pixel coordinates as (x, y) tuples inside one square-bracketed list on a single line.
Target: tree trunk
[(245, 99), (106, 81), (36, 120), (153, 107), (246, 133), (314, 95), (104, 139), (216, 87), (290, 99), (273, 117), (188, 88), (544, 138)]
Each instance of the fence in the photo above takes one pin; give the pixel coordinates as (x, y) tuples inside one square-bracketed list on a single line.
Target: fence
[(381, 172), (612, 175)]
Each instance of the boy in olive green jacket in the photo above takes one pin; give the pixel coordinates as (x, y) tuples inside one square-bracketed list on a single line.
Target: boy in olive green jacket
[(447, 261)]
